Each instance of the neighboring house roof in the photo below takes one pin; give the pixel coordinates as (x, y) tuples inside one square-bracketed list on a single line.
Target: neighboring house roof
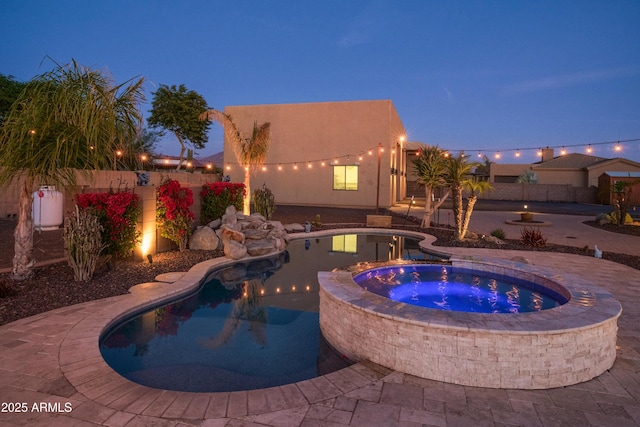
[(615, 162), (570, 161), (216, 159), (172, 161), (614, 174)]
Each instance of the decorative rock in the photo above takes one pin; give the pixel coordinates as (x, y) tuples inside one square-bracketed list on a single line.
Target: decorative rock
[(215, 224), (471, 235), (294, 228), (230, 216), (205, 239), (235, 250), (259, 247), (255, 234), (493, 239), (229, 233)]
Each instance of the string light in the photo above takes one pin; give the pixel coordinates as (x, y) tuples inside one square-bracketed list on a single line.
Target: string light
[(518, 152)]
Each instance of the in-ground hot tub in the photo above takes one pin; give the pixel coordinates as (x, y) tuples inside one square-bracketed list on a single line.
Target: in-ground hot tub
[(565, 345)]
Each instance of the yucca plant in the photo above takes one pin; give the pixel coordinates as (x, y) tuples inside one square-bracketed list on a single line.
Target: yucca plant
[(264, 202), (83, 243), (533, 237)]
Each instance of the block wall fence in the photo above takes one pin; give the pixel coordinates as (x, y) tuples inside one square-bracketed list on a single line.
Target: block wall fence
[(541, 193), (102, 181)]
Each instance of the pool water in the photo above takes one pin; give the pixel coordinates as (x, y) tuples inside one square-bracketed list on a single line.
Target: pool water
[(251, 325), (445, 288)]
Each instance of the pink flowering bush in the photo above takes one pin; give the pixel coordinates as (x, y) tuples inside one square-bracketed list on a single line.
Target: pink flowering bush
[(173, 216), (118, 213), (216, 196)]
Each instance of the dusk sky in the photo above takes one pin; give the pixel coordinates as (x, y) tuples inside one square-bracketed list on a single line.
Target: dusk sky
[(465, 75)]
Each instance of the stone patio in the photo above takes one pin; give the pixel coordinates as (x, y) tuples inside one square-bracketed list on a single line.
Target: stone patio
[(53, 358)]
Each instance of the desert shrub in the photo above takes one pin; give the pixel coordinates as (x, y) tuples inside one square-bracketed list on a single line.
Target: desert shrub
[(613, 218), (118, 214), (533, 237), (602, 217), (264, 202), (216, 196), (83, 243), (173, 215), (499, 233)]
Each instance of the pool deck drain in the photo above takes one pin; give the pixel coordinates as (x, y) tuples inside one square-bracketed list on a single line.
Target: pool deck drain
[(51, 358)]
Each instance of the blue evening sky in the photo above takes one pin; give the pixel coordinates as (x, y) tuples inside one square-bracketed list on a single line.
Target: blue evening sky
[(466, 75)]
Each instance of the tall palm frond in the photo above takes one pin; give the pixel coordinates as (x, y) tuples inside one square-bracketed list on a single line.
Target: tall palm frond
[(69, 119), (250, 152)]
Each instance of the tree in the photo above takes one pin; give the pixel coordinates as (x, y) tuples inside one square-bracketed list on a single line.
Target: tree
[(177, 110), (458, 178), (139, 154), (622, 192), (71, 118), (527, 177), (251, 152), (9, 91), (430, 167)]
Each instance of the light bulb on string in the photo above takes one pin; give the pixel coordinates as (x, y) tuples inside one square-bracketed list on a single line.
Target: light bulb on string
[(497, 155), (309, 165), (618, 147), (589, 149), (295, 166), (517, 153), (563, 151), (279, 167)]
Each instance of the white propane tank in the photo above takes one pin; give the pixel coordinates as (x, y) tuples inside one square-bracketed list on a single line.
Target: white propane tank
[(48, 207)]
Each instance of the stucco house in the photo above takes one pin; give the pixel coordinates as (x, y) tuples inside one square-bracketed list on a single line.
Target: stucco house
[(347, 154), (571, 177)]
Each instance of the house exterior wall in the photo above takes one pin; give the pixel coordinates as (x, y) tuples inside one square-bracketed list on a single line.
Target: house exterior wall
[(573, 177), (619, 166), (305, 135)]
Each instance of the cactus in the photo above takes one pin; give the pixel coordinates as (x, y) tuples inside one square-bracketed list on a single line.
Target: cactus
[(316, 222), (264, 202), (83, 243)]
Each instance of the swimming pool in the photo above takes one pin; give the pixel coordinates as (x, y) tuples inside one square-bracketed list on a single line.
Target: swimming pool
[(445, 288), (250, 325)]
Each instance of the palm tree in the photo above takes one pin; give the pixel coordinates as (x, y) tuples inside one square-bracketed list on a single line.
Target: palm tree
[(430, 166), (251, 152), (458, 178), (66, 120)]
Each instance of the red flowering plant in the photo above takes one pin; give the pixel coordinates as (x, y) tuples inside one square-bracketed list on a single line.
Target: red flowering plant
[(216, 196), (173, 216), (118, 213)]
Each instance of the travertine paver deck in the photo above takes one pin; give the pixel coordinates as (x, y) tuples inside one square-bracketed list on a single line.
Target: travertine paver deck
[(52, 360)]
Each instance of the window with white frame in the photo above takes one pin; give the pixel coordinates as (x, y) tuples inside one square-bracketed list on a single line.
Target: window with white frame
[(345, 178)]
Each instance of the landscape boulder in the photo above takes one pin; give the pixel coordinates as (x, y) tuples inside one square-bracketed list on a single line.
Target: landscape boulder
[(204, 239)]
